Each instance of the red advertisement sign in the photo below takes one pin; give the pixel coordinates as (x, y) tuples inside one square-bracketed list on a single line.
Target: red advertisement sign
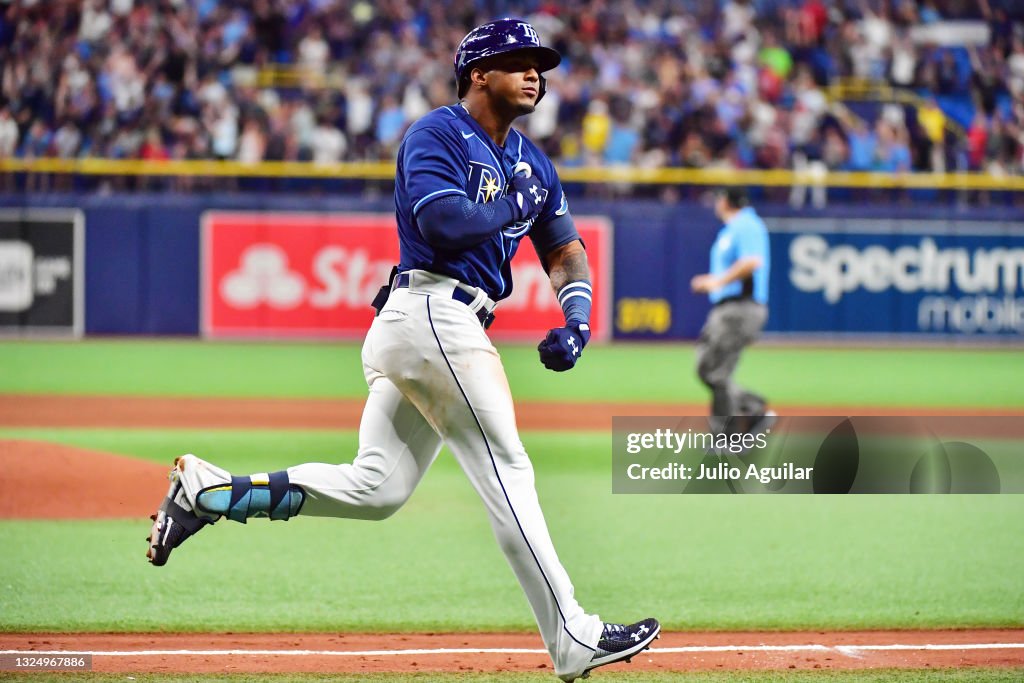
[(314, 275)]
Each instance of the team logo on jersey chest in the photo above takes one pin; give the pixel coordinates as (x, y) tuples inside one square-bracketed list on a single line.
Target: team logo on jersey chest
[(485, 180)]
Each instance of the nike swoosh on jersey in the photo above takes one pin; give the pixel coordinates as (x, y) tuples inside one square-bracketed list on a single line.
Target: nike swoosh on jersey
[(467, 135)]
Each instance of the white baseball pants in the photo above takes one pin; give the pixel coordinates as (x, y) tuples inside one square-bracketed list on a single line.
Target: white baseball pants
[(434, 375)]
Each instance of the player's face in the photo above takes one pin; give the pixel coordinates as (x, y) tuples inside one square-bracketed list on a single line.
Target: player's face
[(514, 82)]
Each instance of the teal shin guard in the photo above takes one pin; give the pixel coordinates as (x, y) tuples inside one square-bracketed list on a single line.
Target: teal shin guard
[(273, 496)]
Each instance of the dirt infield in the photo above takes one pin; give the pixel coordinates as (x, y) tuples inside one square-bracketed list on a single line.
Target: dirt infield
[(38, 475), (50, 481), (213, 413), (498, 652)]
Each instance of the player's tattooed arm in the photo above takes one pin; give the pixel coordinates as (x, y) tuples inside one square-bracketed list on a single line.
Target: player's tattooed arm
[(570, 278), (567, 263)]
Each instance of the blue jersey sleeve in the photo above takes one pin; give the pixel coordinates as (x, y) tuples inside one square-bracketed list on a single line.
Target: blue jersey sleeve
[(556, 205), (435, 164), (554, 227)]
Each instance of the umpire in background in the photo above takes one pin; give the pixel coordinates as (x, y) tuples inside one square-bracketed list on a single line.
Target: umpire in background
[(738, 288)]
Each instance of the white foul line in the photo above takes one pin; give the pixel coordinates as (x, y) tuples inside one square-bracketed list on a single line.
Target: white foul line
[(283, 653), (849, 650)]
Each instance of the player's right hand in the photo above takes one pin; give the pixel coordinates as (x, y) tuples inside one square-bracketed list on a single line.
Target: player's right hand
[(527, 197)]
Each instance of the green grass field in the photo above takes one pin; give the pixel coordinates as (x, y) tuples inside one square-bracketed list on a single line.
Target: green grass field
[(967, 377), (696, 562), (711, 562)]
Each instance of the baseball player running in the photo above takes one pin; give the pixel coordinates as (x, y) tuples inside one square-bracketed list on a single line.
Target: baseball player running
[(468, 189)]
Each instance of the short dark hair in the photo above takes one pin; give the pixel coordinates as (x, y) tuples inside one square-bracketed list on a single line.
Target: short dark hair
[(735, 196)]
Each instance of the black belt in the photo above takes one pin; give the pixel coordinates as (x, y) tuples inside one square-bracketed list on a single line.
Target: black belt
[(733, 299), (483, 315)]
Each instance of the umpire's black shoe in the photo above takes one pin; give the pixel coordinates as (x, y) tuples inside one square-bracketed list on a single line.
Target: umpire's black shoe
[(619, 642)]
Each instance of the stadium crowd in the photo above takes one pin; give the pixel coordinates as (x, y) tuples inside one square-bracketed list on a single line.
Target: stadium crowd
[(734, 83)]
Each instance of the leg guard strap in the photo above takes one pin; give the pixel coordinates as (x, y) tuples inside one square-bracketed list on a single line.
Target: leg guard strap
[(270, 496), (279, 507), (241, 493)]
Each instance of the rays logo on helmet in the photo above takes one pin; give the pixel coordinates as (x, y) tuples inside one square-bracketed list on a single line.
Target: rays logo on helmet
[(529, 33), (498, 37), (486, 180)]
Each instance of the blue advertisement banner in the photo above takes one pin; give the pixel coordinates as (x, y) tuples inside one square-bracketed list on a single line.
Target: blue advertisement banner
[(856, 270), (897, 276)]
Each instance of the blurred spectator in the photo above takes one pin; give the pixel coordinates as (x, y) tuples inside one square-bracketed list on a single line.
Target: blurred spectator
[(623, 138), (95, 21), (153, 148), (737, 19), (892, 155), (877, 30), (835, 151), (66, 140), (252, 145), (862, 145), (903, 62), (737, 83), (390, 125), (933, 121), (221, 123), (977, 142), (775, 57), (329, 143), (8, 134), (314, 51), (37, 142), (302, 123), (597, 126), (1015, 67)]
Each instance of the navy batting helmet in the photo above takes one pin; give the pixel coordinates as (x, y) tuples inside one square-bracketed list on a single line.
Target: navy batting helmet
[(499, 37)]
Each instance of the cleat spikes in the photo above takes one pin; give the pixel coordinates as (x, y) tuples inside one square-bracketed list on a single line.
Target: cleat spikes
[(175, 521), (621, 642)]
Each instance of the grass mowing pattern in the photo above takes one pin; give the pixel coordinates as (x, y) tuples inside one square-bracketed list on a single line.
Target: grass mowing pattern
[(696, 562), (977, 675), (619, 372)]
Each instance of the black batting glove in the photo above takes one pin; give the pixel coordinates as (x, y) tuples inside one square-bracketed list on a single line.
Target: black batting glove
[(563, 346), (526, 197)]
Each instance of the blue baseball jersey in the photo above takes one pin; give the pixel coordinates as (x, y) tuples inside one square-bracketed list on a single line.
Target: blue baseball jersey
[(447, 153), (745, 235)]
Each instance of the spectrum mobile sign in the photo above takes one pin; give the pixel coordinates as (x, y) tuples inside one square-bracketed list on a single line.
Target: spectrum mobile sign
[(315, 274), (887, 276)]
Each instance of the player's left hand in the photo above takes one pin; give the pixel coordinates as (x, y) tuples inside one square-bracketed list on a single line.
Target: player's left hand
[(563, 346)]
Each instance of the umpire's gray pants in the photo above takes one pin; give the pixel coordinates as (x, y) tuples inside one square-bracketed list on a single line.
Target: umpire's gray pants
[(730, 327)]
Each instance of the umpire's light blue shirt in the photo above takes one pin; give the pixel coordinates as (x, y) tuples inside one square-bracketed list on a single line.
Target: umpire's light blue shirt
[(745, 235)]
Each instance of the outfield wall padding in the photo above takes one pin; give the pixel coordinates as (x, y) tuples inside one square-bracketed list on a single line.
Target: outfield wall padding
[(901, 270)]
